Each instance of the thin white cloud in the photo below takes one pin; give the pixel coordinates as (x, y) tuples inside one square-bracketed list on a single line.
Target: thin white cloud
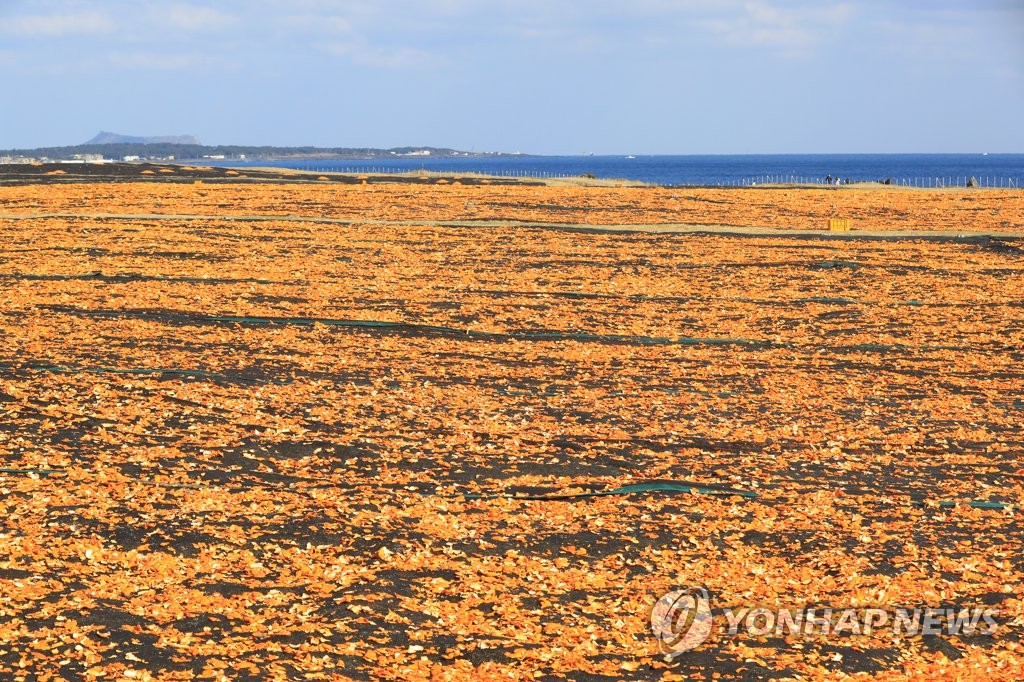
[(154, 61), (313, 23), (195, 18), (792, 28), (531, 32), (57, 25), (397, 58), (983, 37)]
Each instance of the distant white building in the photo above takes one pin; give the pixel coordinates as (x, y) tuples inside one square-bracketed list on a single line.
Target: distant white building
[(131, 157)]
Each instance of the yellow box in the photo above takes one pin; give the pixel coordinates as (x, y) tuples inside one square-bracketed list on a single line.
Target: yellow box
[(839, 224)]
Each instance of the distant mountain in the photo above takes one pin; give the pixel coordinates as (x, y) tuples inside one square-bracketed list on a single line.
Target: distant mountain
[(105, 137), (110, 145), (113, 146)]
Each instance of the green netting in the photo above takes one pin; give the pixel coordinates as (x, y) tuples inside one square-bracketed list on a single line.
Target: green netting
[(184, 318), (977, 504), (826, 299), (118, 370), (629, 489), (130, 277), (28, 472), (646, 487), (838, 264), (525, 336)]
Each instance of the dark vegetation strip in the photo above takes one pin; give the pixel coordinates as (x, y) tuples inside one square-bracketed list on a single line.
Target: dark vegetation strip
[(180, 318), (129, 277)]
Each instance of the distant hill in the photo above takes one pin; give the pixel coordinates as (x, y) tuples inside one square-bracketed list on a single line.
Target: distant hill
[(104, 137), (111, 146)]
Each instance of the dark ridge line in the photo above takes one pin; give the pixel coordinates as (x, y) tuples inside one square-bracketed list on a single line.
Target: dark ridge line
[(423, 329), (643, 298), (173, 316), (130, 277), (998, 240)]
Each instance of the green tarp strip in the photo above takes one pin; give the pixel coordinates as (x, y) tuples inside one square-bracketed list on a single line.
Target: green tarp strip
[(977, 504), (525, 336), (652, 486), (117, 370), (26, 472), (130, 277), (172, 316), (629, 489), (832, 264)]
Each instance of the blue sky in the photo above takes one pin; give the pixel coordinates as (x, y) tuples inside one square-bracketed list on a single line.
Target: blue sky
[(538, 76)]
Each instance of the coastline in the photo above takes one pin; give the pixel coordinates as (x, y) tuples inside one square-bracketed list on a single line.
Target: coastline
[(581, 203)]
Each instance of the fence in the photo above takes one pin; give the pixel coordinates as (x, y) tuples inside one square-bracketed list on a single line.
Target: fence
[(384, 170), (987, 181), (994, 182)]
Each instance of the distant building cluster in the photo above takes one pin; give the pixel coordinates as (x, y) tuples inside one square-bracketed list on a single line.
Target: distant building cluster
[(19, 159), (83, 158)]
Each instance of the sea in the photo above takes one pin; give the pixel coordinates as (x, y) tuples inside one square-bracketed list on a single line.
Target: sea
[(917, 170)]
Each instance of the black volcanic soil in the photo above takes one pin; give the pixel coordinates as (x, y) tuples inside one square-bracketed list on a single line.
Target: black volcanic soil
[(25, 173)]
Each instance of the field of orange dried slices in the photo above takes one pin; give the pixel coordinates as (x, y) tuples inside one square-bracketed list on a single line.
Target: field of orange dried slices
[(282, 448), (869, 208)]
